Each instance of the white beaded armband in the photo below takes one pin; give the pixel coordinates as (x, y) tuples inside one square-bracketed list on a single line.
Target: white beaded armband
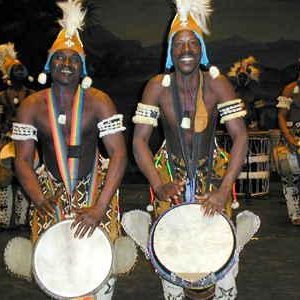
[(232, 109), (111, 125), (284, 102), (146, 114), (23, 132)]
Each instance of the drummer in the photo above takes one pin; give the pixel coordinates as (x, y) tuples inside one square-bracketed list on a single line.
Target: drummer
[(288, 120), (187, 98), (14, 204), (66, 120), (15, 75)]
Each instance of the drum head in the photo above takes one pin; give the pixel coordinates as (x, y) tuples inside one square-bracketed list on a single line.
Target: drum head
[(65, 267), (190, 245)]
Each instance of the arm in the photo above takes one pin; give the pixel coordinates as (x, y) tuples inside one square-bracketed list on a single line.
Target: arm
[(282, 117), (25, 151), (215, 201), (142, 152), (88, 218)]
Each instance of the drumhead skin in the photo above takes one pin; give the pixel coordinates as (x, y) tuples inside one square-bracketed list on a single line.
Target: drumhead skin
[(65, 267), (189, 249)]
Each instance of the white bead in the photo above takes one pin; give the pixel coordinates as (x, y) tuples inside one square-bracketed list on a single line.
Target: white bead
[(86, 82), (296, 89), (166, 82), (150, 208), (235, 204), (42, 79), (185, 123), (62, 119), (30, 78), (214, 72)]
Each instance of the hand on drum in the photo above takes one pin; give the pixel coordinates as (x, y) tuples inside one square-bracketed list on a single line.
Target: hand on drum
[(212, 202), (45, 207), (86, 221), (170, 191)]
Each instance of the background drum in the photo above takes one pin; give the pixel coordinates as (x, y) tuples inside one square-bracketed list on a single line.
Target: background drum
[(254, 178), (66, 267), (191, 250)]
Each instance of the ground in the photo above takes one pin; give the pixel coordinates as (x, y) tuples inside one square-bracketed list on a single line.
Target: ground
[(269, 264)]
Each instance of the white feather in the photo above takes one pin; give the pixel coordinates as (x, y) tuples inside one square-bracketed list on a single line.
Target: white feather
[(73, 16), (200, 10)]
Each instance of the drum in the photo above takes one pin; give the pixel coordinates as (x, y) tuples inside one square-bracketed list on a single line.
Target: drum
[(189, 249), (287, 162), (66, 267), (254, 178)]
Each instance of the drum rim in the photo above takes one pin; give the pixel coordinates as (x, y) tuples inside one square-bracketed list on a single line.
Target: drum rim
[(50, 293), (184, 283)]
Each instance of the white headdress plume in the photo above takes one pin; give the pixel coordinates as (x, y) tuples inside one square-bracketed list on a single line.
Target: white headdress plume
[(200, 10), (73, 16)]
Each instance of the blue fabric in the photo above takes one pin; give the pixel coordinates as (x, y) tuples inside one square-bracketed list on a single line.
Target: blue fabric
[(190, 191), (204, 59)]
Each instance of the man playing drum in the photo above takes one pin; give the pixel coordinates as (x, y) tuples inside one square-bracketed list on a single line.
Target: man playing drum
[(288, 120), (187, 100), (66, 120)]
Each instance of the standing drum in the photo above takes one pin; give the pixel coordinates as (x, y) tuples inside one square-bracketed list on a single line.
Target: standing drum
[(191, 250), (66, 267), (254, 178)]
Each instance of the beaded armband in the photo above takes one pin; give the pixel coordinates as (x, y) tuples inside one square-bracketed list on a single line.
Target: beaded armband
[(23, 132), (284, 102), (146, 114), (111, 125), (232, 109)]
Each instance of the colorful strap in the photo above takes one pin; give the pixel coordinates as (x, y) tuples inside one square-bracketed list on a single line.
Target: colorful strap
[(68, 167)]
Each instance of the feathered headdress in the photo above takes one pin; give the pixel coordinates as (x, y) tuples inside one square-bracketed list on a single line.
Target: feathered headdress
[(8, 58), (191, 15), (246, 66), (68, 37)]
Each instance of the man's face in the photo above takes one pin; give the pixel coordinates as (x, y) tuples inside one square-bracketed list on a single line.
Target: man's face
[(18, 73), (66, 67), (186, 52)]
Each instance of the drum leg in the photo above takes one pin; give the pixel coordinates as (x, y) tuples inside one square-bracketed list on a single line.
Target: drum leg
[(107, 291), (171, 291), (291, 193), (226, 287)]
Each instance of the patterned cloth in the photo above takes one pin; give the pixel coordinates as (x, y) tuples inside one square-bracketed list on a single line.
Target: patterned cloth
[(162, 164), (54, 188)]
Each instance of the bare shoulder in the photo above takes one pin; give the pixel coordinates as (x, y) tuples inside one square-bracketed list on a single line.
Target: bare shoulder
[(220, 88), (32, 106), (153, 90), (98, 97), (100, 103), (34, 100), (288, 89)]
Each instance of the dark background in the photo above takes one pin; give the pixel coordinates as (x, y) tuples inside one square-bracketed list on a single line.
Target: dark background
[(125, 42)]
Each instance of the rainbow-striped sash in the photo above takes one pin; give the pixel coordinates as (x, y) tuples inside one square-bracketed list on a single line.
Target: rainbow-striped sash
[(68, 166)]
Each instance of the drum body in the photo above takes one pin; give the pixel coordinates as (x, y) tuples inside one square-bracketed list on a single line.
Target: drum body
[(189, 249), (254, 178), (287, 162), (66, 267)]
